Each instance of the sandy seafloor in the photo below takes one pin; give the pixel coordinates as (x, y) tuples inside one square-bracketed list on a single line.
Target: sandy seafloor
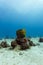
[(32, 56)]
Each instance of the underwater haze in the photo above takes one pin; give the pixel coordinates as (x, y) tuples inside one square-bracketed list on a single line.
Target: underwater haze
[(18, 14)]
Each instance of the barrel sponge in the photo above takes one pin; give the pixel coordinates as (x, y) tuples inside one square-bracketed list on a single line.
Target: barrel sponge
[(21, 32)]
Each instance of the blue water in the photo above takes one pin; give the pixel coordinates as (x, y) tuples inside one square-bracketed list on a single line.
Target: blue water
[(11, 20)]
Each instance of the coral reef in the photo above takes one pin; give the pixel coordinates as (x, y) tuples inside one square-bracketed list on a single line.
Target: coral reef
[(21, 40)]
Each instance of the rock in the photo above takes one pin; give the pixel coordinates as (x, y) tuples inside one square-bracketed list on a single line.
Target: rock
[(31, 43), (20, 53), (41, 40), (20, 41), (23, 43), (0, 45), (13, 44), (24, 46), (4, 44)]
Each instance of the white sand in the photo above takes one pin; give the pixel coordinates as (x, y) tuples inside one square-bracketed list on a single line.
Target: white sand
[(33, 56)]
